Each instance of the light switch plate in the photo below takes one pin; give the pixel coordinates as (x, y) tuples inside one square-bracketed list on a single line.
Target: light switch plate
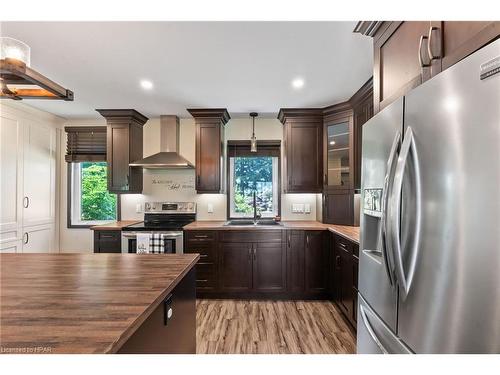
[(307, 208), (297, 208), (210, 208), (138, 208)]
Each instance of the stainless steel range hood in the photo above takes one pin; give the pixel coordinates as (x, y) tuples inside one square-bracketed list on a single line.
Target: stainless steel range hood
[(168, 157)]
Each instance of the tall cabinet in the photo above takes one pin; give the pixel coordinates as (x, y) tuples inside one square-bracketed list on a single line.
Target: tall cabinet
[(27, 182), (303, 156), (210, 150)]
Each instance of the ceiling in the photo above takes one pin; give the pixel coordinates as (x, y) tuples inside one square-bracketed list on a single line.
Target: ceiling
[(242, 66)]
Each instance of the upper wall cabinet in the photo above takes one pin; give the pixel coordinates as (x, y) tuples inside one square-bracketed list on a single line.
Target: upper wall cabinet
[(338, 147), (409, 53), (303, 150), (210, 154), (124, 146)]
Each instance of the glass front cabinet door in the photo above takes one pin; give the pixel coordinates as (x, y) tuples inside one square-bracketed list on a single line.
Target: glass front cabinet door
[(339, 153)]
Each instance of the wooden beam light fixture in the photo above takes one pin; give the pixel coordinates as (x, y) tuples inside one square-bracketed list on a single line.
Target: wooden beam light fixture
[(18, 81)]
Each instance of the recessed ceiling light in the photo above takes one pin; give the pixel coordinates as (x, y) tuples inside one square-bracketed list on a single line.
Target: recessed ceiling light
[(146, 85), (298, 83)]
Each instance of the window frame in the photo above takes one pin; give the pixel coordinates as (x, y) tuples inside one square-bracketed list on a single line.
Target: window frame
[(270, 148), (70, 202)]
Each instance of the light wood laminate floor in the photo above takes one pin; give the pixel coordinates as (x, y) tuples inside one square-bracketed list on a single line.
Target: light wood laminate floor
[(271, 327)]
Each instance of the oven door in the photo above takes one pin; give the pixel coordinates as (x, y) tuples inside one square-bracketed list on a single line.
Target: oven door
[(173, 241)]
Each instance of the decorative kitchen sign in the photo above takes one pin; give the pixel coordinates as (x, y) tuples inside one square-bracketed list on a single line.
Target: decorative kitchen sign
[(178, 185)]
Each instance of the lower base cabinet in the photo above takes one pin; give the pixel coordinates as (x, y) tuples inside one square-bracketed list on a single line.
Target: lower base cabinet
[(107, 241), (269, 268), (235, 268), (345, 278)]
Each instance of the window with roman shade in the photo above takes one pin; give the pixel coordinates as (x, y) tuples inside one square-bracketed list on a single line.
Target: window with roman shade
[(85, 143), (253, 179), (89, 201)]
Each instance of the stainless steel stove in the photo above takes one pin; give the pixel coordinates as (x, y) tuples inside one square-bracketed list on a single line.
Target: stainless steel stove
[(167, 218)]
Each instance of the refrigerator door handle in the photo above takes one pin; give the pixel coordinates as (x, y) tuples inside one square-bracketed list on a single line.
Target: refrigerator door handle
[(394, 213), (388, 262), (370, 330)]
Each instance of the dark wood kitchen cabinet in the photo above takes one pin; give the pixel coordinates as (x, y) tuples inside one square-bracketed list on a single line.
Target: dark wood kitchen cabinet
[(252, 261), (408, 53), (317, 256), (344, 282), (205, 244), (296, 262), (338, 207), (123, 146), (269, 268), (303, 155), (107, 241), (210, 150), (235, 266)]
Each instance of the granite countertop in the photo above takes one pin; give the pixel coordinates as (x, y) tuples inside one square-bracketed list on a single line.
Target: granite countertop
[(115, 225), (349, 232), (82, 303)]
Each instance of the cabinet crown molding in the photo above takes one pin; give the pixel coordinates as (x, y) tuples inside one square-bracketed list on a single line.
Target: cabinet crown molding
[(287, 113), (368, 28), (220, 114), (123, 115)]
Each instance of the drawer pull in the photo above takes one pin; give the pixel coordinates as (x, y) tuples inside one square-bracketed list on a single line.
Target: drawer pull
[(200, 236), (202, 280), (341, 244), (203, 256)]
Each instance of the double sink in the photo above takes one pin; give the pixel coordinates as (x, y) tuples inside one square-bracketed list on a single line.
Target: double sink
[(260, 222)]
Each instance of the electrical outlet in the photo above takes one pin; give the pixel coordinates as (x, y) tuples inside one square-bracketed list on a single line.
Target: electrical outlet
[(210, 208)]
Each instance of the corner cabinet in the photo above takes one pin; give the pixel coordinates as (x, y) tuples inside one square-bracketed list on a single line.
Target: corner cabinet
[(210, 154), (303, 144), (123, 146)]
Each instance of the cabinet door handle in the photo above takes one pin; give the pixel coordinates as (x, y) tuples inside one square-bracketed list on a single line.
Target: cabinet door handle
[(289, 241), (167, 309), (433, 56), (250, 252), (307, 240), (128, 180), (254, 252), (420, 58), (26, 202), (198, 179), (26, 237), (337, 261)]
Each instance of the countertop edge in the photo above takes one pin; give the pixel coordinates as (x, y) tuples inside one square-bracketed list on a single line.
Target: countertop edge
[(219, 225), (114, 347)]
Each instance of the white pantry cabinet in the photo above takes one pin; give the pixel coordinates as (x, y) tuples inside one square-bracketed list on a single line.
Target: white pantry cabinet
[(27, 182), (11, 247), (38, 239), (39, 174)]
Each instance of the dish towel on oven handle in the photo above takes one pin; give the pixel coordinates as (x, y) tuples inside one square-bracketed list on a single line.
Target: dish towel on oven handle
[(143, 241), (156, 243)]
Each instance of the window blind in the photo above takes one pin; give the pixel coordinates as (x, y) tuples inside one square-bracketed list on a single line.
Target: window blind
[(264, 148), (85, 143)]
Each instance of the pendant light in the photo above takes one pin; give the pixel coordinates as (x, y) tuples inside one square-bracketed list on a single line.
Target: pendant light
[(253, 140)]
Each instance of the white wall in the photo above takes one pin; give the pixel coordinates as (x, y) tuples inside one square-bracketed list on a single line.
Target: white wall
[(157, 183)]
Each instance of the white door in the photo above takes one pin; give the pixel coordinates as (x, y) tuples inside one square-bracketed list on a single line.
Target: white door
[(10, 178), (39, 239), (39, 174), (11, 247)]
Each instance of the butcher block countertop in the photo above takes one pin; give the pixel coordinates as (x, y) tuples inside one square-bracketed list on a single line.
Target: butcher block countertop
[(81, 303), (351, 233), (115, 225)]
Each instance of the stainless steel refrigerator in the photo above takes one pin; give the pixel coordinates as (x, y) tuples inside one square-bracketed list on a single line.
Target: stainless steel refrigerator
[(429, 278)]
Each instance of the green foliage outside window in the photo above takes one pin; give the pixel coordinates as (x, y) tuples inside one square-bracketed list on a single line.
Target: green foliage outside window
[(96, 202), (253, 174)]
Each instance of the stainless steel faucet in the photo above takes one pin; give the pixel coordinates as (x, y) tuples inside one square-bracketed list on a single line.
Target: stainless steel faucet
[(255, 215)]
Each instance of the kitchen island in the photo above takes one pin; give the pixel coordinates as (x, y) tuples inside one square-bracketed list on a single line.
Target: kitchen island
[(97, 303)]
